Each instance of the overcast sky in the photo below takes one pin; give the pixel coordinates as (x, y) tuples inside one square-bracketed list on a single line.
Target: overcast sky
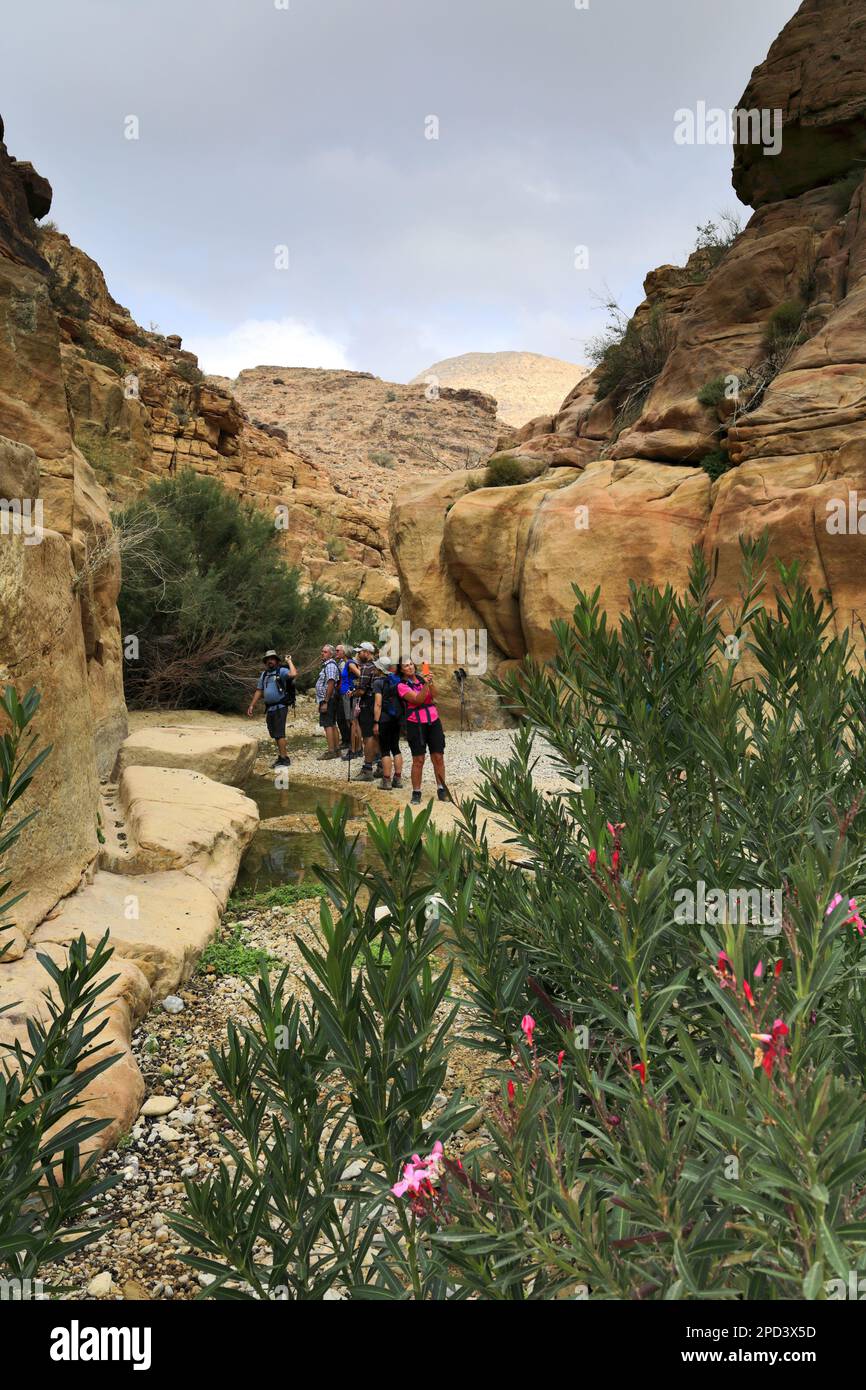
[(262, 127)]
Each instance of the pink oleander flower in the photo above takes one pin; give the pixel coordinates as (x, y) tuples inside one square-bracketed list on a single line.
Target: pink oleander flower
[(640, 1068), (758, 970), (834, 903), (748, 993), (593, 858), (420, 1175), (527, 1023), (778, 970), (770, 1046), (855, 919), (559, 1059), (724, 971), (510, 1089)]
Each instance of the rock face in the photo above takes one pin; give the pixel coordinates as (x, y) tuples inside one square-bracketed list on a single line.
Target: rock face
[(55, 543), (760, 370), (813, 74), (523, 384), (152, 860)]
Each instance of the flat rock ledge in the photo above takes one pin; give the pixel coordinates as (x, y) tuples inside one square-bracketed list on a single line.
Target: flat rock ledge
[(174, 838)]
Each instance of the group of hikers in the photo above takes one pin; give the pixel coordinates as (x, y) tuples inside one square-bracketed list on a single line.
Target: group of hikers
[(366, 703)]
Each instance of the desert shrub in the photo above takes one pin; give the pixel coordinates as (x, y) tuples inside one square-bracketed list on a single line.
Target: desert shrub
[(630, 354), (713, 392), (66, 296), (188, 371), (504, 471), (105, 454), (45, 1185), (784, 326), (678, 1105), (845, 188), (382, 458), (336, 548), (210, 594), (362, 624), (715, 239), (106, 357), (716, 462)]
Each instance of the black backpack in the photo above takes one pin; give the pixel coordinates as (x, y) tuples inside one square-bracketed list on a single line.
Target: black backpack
[(285, 685)]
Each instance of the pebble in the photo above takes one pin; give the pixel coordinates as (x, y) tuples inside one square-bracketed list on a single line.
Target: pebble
[(101, 1285), (172, 1004), (159, 1105)]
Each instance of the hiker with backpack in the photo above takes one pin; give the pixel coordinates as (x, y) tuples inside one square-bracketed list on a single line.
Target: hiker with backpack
[(349, 731), (276, 685), (423, 728), (388, 714), (327, 694), (365, 705)]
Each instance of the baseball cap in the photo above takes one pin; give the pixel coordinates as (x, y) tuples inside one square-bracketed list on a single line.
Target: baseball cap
[(366, 647)]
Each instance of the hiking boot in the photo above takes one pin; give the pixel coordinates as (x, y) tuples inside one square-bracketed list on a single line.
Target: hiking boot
[(366, 775), (385, 784), (416, 798), (442, 793), (282, 762), (328, 755), (397, 782)]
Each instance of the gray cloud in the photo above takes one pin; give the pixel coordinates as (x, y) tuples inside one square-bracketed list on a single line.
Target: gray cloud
[(262, 127)]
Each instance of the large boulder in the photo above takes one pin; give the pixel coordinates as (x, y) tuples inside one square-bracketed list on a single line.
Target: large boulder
[(177, 819), (221, 754), (813, 75)]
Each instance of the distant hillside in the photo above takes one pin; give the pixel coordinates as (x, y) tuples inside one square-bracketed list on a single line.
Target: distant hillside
[(525, 384), (370, 435)]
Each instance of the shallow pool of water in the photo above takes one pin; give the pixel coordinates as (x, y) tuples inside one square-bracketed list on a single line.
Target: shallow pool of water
[(278, 854), (298, 796)]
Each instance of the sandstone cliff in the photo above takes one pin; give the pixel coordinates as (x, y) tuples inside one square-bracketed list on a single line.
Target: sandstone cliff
[(755, 415)]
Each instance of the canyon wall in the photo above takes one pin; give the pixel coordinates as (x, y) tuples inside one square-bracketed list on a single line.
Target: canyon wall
[(756, 416)]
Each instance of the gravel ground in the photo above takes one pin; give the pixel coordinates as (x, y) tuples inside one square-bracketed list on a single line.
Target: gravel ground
[(138, 1256)]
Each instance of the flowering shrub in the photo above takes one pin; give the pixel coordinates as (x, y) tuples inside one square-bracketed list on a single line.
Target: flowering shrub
[(676, 1108)]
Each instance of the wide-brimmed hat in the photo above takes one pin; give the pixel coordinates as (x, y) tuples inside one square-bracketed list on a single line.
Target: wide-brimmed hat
[(271, 653)]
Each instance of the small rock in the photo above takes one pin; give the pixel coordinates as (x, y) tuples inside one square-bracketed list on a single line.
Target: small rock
[(159, 1105), (168, 1135), (101, 1285), (172, 1004), (135, 1292), (474, 1122)]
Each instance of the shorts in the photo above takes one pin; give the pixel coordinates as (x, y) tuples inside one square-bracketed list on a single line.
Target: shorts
[(389, 738), (275, 718), (347, 708), (328, 716), (423, 738), (365, 719)]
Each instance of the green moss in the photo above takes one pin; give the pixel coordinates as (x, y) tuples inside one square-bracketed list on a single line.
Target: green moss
[(233, 955), (716, 462)]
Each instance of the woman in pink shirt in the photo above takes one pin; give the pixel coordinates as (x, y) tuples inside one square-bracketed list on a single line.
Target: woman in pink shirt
[(424, 730)]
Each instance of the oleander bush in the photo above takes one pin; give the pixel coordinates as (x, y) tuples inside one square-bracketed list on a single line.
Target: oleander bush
[(665, 988)]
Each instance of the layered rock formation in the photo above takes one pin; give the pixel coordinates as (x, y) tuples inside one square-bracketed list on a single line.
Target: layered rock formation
[(523, 384), (150, 861), (754, 416)]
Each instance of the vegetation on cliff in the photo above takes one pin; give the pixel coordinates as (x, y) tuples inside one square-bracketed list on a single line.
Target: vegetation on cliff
[(209, 593)]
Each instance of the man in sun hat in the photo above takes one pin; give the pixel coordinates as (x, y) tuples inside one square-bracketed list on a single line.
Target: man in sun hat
[(276, 685)]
